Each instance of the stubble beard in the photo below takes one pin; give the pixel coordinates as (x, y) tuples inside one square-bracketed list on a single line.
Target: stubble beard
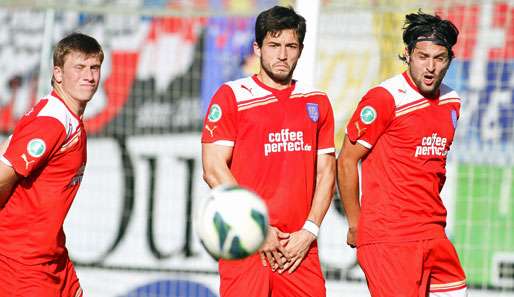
[(282, 77)]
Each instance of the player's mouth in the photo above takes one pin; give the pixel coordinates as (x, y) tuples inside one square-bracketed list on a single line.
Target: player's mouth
[(428, 79), (281, 66)]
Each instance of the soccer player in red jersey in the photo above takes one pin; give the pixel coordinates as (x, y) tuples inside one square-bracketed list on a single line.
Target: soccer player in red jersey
[(40, 173), (275, 136), (402, 131)]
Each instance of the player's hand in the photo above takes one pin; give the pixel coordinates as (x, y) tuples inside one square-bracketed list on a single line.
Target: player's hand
[(273, 250), (297, 247), (351, 237)]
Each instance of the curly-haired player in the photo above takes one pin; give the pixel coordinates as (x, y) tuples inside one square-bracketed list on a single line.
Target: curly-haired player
[(402, 131)]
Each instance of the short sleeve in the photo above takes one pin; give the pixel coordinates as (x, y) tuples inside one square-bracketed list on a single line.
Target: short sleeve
[(33, 143), (326, 129), (220, 121), (373, 115)]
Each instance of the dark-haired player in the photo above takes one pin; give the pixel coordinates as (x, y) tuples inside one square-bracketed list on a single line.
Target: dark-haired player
[(402, 131), (274, 135)]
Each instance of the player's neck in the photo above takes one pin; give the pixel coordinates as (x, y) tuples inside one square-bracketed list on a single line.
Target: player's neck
[(270, 82), (75, 106)]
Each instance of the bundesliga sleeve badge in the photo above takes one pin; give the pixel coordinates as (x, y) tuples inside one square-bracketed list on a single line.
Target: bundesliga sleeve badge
[(214, 113), (36, 147), (368, 115), (313, 111)]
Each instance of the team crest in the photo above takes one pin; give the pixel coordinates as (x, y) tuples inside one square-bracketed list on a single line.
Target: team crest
[(36, 147), (454, 118), (313, 111), (368, 115), (214, 113)]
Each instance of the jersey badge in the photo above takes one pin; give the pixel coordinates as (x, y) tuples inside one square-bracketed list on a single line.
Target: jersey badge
[(368, 115), (27, 162), (36, 147), (313, 111), (454, 118), (211, 130), (214, 113)]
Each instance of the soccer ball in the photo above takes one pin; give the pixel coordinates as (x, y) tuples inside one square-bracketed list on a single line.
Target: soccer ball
[(232, 223)]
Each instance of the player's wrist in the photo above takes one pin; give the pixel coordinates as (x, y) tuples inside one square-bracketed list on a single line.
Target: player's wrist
[(311, 227)]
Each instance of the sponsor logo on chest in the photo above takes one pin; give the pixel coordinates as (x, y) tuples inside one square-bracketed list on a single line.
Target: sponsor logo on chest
[(285, 140), (432, 145)]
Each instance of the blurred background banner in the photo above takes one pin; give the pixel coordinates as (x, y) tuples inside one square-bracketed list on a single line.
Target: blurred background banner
[(130, 230)]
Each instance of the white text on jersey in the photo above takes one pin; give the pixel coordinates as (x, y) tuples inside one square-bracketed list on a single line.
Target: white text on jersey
[(285, 141), (432, 145)]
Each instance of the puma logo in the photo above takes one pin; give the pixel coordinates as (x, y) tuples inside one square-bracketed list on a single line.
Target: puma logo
[(402, 91), (27, 162), (247, 88), (359, 130), (211, 131)]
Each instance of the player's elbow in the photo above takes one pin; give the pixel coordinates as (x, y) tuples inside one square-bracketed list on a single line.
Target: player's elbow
[(209, 177)]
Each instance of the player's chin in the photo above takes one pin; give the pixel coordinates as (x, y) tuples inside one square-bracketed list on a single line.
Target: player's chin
[(281, 75)]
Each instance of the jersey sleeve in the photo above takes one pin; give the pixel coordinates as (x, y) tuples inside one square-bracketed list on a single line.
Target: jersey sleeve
[(373, 115), (220, 121), (33, 143), (326, 129)]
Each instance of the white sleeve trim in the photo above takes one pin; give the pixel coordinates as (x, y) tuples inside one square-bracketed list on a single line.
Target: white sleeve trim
[(364, 143), (224, 143), (326, 151), (5, 161)]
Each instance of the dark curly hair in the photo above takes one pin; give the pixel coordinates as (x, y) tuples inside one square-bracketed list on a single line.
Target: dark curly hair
[(425, 27), (276, 19)]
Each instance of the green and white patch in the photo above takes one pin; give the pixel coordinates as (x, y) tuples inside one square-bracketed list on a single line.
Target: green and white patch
[(368, 115), (214, 113), (36, 147)]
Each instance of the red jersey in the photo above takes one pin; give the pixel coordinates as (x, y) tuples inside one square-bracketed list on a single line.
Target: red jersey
[(409, 137), (276, 137), (47, 148)]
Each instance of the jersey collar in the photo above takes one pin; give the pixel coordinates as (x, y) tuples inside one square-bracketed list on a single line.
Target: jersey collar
[(278, 93), (55, 95), (415, 88)]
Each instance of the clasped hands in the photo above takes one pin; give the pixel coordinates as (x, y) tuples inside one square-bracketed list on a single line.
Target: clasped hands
[(285, 251)]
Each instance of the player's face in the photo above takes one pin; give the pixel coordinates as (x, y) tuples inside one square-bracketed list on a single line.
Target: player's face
[(428, 64), (79, 76), (278, 55)]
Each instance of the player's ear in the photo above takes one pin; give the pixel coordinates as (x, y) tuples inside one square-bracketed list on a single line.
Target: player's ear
[(256, 49), (57, 74), (406, 55)]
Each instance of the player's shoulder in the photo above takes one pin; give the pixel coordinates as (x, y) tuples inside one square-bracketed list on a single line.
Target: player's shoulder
[(303, 89), (54, 108), (401, 91), (246, 88), (448, 94)]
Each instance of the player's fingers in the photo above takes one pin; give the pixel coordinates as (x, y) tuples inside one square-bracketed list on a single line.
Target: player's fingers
[(282, 235), (284, 251), (295, 265), (263, 259), (271, 261), (287, 265), (277, 256)]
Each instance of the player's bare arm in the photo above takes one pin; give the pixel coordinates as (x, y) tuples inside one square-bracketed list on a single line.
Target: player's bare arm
[(8, 178), (215, 160), (348, 183), (301, 240)]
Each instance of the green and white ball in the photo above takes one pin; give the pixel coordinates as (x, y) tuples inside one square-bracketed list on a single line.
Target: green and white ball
[(232, 223)]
